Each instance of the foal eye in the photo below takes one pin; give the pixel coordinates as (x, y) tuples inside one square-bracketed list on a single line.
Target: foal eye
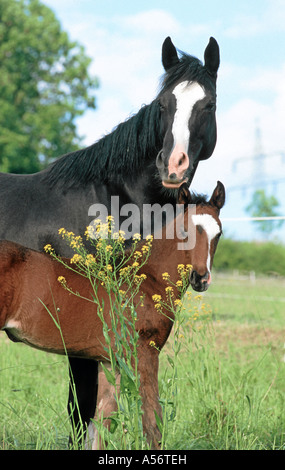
[(219, 235)]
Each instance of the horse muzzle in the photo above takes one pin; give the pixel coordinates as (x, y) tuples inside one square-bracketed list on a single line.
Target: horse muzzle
[(200, 283), (173, 171)]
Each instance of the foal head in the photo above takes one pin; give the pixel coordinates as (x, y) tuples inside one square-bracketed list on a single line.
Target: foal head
[(206, 228)]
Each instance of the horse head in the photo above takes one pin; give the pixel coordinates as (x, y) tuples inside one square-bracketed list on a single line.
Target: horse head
[(207, 228), (188, 104)]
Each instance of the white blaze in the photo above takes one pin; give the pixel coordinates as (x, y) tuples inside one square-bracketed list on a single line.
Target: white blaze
[(187, 94), (211, 227)]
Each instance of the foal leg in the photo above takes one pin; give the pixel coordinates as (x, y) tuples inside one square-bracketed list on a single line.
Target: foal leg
[(106, 404), (82, 405), (148, 369)]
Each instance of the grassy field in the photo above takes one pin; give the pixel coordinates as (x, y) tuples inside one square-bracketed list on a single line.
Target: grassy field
[(230, 386)]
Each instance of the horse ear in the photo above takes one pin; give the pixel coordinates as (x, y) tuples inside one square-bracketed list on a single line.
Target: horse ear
[(169, 54), (212, 57), (218, 197), (184, 196)]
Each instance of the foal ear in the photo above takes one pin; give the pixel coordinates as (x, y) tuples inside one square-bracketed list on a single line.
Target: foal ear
[(212, 57), (169, 54), (218, 197), (184, 196)]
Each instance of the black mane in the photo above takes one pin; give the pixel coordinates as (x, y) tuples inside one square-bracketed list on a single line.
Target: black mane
[(124, 150), (127, 149)]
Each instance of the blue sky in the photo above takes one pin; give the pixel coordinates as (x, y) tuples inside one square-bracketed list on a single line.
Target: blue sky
[(124, 40)]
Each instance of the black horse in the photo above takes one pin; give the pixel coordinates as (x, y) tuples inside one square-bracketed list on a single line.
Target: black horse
[(142, 161)]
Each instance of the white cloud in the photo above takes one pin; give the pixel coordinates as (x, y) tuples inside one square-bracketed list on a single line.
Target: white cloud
[(152, 22), (264, 20)]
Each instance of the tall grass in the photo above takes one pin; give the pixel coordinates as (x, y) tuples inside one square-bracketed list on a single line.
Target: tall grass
[(220, 387)]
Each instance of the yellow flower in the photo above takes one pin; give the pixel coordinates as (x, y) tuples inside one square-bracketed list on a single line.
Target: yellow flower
[(61, 279), (178, 302), (76, 259), (135, 264), (62, 231), (169, 289), (120, 236), (137, 236), (198, 297), (156, 298), (165, 276), (138, 254), (90, 260), (180, 267), (149, 239), (109, 268), (179, 284), (139, 278), (48, 248), (109, 248), (152, 344), (124, 271)]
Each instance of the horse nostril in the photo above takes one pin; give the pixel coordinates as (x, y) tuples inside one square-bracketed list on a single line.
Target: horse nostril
[(181, 160), (172, 176)]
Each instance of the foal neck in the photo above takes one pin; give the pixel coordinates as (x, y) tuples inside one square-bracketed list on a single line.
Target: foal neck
[(165, 253)]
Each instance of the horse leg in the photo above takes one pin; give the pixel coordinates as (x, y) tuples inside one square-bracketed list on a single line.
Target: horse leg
[(106, 404), (148, 368), (82, 397)]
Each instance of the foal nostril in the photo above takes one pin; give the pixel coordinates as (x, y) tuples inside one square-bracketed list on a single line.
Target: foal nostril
[(172, 176)]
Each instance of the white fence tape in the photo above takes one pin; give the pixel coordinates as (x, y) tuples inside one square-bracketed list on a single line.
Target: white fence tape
[(248, 219)]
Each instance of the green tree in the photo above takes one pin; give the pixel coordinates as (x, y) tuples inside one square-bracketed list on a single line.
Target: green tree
[(264, 206), (44, 86)]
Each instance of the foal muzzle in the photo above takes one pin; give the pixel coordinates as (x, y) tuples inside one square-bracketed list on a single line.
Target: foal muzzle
[(199, 282)]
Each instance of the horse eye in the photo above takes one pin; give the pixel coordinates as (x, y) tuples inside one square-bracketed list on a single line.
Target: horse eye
[(211, 107)]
